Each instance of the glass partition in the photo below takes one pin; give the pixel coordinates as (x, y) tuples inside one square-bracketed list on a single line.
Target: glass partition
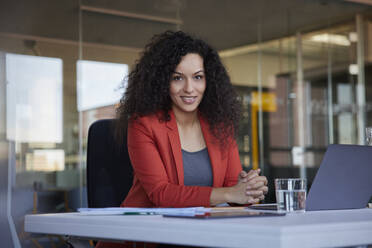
[(308, 99), (38, 99)]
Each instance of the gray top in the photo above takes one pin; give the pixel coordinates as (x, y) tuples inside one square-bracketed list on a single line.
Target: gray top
[(197, 168)]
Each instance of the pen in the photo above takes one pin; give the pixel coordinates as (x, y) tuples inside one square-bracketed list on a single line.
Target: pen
[(139, 213)]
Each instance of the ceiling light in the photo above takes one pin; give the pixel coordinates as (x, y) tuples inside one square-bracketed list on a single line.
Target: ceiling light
[(353, 36), (335, 39), (366, 2), (353, 69)]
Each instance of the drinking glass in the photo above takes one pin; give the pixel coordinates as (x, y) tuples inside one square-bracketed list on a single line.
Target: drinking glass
[(290, 194)]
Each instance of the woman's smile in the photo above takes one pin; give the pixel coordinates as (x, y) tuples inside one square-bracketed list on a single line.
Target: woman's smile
[(188, 99)]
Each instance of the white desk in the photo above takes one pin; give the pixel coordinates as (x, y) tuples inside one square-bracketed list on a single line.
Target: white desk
[(310, 229)]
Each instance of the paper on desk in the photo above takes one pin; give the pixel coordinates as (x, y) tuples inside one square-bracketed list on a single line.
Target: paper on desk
[(158, 211)]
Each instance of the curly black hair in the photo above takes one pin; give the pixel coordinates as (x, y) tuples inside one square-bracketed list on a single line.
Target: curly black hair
[(149, 82)]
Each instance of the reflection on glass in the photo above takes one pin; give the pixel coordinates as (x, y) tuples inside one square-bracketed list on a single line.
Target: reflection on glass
[(45, 160), (34, 98), (369, 136), (99, 83), (346, 126)]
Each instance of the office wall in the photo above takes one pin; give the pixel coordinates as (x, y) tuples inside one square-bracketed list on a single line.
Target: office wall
[(50, 197)]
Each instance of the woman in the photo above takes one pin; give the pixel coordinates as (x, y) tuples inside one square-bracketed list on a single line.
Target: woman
[(183, 115)]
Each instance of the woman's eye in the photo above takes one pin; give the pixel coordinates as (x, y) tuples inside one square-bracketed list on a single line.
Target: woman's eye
[(177, 78), (198, 77)]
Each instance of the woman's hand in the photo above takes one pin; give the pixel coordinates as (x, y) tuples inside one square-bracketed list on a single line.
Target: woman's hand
[(245, 177), (250, 189), (253, 185)]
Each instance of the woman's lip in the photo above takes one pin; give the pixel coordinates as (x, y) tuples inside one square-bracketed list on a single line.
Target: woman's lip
[(188, 99)]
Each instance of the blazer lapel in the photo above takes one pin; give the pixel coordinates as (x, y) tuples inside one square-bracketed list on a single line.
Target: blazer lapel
[(174, 140), (213, 151)]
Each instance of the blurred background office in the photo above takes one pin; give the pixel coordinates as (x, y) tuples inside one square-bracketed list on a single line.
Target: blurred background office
[(302, 68)]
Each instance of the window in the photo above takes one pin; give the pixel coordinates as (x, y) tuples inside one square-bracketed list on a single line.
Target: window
[(34, 98), (99, 83)]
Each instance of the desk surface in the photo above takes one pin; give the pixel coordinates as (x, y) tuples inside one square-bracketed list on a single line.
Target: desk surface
[(311, 229)]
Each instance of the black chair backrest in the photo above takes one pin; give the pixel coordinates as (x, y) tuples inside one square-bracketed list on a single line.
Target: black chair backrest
[(109, 171)]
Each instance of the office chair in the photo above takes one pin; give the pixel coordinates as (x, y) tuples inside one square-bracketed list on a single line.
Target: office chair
[(109, 170)]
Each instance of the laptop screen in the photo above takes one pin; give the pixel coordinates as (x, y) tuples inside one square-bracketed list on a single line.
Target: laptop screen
[(343, 180)]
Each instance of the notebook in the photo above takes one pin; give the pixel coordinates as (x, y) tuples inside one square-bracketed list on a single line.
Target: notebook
[(343, 180), (228, 214)]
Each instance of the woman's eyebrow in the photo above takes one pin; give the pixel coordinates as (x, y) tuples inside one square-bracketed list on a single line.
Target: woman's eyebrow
[(199, 71), (180, 73)]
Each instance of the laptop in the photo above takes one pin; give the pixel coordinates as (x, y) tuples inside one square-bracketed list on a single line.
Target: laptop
[(343, 180)]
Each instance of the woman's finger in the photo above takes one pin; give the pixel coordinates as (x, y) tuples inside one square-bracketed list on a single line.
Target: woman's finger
[(254, 193), (252, 174), (258, 179), (255, 185), (243, 176), (253, 200), (243, 173), (265, 180), (264, 189), (257, 192)]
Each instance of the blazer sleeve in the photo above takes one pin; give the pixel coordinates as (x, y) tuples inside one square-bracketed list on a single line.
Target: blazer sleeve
[(234, 166), (150, 171)]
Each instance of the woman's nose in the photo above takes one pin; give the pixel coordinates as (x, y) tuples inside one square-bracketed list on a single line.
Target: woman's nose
[(188, 88)]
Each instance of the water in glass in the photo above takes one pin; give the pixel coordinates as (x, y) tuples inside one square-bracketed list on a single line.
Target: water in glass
[(291, 200)]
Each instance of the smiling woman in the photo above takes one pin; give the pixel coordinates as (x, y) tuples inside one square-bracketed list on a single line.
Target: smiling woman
[(183, 114)]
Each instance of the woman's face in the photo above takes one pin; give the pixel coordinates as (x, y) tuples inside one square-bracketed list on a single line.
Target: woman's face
[(188, 83)]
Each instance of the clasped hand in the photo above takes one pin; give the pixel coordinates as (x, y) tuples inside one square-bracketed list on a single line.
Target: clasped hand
[(251, 188)]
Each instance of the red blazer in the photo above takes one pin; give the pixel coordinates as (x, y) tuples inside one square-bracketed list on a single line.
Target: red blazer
[(155, 152)]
